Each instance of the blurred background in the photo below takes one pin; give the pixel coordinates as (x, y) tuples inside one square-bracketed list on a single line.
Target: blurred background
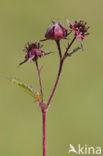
[(76, 112)]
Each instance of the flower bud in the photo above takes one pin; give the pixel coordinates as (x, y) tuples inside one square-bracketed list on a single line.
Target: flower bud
[(56, 32)]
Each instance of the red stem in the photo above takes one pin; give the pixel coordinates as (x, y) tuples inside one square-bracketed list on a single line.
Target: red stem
[(44, 132), (41, 90), (59, 48), (53, 91), (60, 66), (55, 85), (66, 52), (59, 73), (43, 113), (70, 44)]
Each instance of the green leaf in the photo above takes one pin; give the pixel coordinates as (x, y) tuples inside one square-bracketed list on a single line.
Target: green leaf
[(28, 89)]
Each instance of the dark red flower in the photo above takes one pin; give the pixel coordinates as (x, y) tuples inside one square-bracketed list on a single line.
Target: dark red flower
[(79, 28), (56, 32), (33, 52)]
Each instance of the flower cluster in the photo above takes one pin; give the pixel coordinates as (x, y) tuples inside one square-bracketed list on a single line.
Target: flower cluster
[(56, 32), (79, 28)]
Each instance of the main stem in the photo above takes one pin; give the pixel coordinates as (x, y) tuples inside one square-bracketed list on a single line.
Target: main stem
[(44, 110), (53, 91), (44, 131)]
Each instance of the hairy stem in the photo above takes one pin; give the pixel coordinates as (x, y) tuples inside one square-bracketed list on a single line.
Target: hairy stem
[(40, 82), (44, 132)]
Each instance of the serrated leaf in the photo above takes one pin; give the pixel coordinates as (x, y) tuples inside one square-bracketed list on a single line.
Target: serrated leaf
[(28, 89)]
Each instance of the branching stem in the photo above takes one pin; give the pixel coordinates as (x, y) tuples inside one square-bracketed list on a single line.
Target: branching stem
[(66, 52), (55, 85), (62, 58), (58, 75)]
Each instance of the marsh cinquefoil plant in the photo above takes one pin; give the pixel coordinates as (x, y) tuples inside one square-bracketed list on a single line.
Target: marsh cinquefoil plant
[(56, 32)]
